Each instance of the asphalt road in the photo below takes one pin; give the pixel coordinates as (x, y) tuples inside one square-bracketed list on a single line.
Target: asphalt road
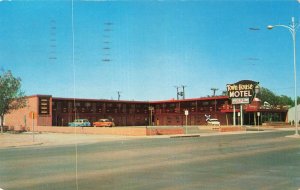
[(246, 161)]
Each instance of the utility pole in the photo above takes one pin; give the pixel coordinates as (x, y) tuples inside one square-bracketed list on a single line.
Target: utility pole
[(214, 95), (180, 93), (119, 95), (177, 87), (183, 93), (214, 91)]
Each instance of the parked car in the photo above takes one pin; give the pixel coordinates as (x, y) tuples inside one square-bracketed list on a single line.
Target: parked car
[(213, 122), (80, 123), (104, 123)]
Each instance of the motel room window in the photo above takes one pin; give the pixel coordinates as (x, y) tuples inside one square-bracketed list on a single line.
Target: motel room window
[(205, 103), (70, 105), (124, 108), (54, 106), (99, 107), (88, 106)]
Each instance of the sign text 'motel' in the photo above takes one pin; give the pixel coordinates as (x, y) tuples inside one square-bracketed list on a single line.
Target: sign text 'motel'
[(240, 90)]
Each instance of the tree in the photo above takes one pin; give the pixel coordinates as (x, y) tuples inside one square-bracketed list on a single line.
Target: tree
[(266, 95), (11, 96), (285, 100)]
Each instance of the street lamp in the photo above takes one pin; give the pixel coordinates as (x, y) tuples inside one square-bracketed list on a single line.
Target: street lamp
[(256, 90), (293, 29)]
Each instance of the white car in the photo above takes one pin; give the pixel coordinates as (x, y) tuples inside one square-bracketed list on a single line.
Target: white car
[(213, 122), (80, 123)]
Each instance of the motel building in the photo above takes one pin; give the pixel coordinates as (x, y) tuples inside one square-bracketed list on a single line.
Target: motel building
[(45, 110)]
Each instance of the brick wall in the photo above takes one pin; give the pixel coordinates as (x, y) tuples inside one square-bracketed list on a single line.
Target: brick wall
[(22, 117)]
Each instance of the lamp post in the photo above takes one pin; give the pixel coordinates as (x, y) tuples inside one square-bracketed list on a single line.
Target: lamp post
[(256, 90), (293, 29)]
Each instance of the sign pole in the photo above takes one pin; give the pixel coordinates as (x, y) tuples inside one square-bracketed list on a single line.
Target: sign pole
[(186, 113), (33, 129), (258, 114), (241, 93), (151, 108), (241, 107), (32, 117), (234, 115)]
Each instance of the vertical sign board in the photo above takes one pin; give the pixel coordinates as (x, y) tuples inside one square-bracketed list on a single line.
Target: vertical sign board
[(241, 92), (32, 115), (44, 106), (186, 113)]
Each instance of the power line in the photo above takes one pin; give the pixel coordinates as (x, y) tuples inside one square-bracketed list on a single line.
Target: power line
[(52, 42), (106, 42)]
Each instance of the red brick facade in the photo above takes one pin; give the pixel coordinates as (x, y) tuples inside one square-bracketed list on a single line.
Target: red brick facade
[(23, 117), (51, 111)]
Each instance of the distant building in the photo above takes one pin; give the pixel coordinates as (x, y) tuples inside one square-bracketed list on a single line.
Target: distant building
[(291, 114), (45, 110)]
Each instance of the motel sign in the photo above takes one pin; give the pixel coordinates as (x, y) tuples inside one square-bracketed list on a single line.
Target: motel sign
[(242, 92)]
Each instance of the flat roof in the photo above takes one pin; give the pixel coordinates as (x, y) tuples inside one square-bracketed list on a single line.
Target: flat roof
[(135, 101)]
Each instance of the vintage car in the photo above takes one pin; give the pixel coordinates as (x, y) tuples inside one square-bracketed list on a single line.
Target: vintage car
[(80, 123), (104, 123), (213, 122)]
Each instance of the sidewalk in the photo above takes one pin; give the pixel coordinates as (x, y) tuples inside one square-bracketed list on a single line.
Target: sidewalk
[(57, 139), (54, 139)]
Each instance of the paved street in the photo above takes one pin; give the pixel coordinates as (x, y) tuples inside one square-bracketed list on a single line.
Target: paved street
[(245, 161)]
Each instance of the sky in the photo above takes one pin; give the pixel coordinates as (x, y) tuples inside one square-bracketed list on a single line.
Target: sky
[(143, 49)]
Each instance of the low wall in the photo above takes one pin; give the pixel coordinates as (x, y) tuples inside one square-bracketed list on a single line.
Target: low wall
[(231, 128), (274, 123), (169, 131), (277, 125), (124, 131)]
